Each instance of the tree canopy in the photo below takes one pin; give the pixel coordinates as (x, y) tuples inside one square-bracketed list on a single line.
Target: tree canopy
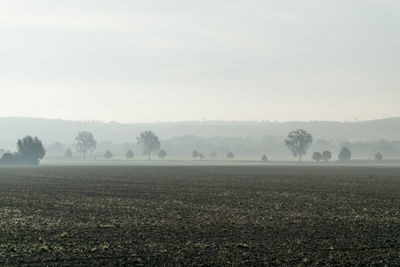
[(230, 155), (30, 150), (108, 154), (85, 142), (345, 154), (264, 158), (196, 154), (378, 156), (298, 142), (326, 155), (150, 142), (129, 154), (317, 156)]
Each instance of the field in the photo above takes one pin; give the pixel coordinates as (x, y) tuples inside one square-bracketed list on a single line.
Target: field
[(199, 215)]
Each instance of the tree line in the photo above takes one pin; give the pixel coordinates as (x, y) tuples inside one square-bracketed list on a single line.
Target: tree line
[(299, 141), (86, 143), (30, 150)]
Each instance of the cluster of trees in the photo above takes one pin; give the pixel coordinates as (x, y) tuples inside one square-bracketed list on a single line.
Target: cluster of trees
[(85, 143), (196, 154), (212, 155), (230, 155), (344, 155), (299, 141), (325, 156), (30, 151)]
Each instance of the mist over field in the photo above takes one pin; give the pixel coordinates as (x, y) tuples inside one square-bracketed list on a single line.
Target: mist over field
[(248, 140), (199, 133), (215, 77)]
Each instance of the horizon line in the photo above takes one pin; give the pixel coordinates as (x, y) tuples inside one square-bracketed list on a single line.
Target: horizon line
[(200, 121)]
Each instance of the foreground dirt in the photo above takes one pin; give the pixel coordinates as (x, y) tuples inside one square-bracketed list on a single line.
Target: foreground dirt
[(199, 216)]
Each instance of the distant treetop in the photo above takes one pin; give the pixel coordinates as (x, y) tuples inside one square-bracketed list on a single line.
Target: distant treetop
[(129, 154), (298, 142), (150, 142), (84, 143), (345, 154)]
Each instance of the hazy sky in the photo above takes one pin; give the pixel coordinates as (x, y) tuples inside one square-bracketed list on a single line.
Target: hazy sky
[(158, 60)]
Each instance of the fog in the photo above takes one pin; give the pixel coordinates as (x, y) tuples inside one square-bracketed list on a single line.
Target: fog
[(247, 140), (211, 76), (149, 61)]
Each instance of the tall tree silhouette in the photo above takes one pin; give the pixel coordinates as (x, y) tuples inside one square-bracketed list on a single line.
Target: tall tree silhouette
[(150, 142), (84, 143), (298, 142)]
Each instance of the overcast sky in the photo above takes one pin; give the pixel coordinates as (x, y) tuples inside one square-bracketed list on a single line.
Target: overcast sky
[(158, 60)]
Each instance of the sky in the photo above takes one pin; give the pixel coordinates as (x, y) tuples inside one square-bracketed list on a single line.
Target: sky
[(185, 60)]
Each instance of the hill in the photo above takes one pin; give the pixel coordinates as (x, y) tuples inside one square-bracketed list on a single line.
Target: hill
[(180, 138), (53, 130)]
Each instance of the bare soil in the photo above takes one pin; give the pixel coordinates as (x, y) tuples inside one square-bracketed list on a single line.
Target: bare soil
[(215, 216)]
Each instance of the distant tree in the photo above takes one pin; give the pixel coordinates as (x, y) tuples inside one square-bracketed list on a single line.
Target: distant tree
[(56, 148), (317, 156), (213, 155), (10, 159), (68, 153), (326, 155), (84, 143), (230, 155), (108, 154), (195, 154), (150, 143), (298, 142), (129, 154), (264, 158), (30, 150), (345, 154), (162, 154), (378, 156)]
